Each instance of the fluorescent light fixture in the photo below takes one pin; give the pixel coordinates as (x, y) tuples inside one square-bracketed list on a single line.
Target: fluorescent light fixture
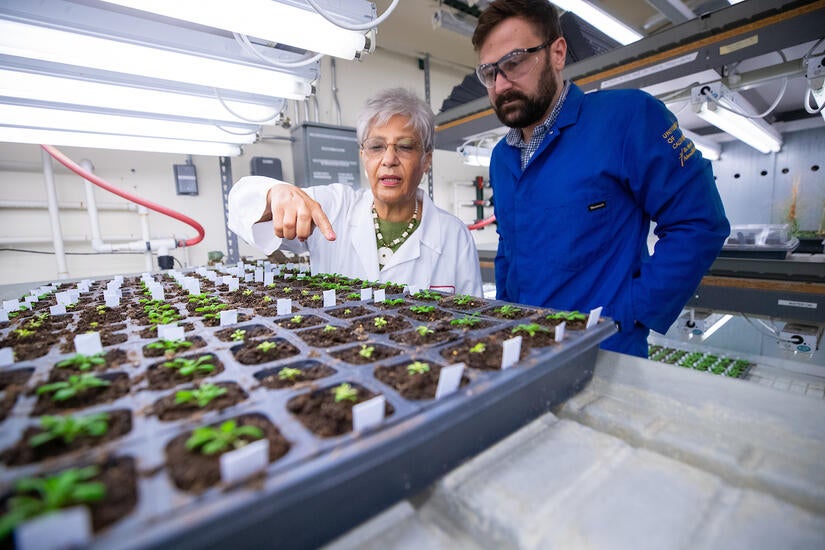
[(103, 123), (450, 21), (59, 46), (602, 20), (709, 149), (715, 104), (59, 89), (110, 141), (475, 156), (819, 98), (267, 19)]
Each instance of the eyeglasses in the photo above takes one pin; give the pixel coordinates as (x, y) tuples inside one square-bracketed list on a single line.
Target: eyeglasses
[(404, 148), (512, 66)]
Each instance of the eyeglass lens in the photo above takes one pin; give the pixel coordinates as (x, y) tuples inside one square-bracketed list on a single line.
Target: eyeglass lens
[(375, 147), (513, 66)]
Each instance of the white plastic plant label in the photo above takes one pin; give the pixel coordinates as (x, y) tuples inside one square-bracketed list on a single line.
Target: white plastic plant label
[(269, 278), (112, 300), (329, 298), (284, 306), (412, 290), (67, 528), (11, 305), (259, 275), (157, 293), (30, 299), (59, 309), (248, 277), (74, 294), (368, 414), (239, 464), (449, 379), (366, 294), (593, 319), (88, 343), (229, 317), (510, 351), (170, 332), (4, 316), (559, 332), (233, 284), (379, 295), (6, 356)]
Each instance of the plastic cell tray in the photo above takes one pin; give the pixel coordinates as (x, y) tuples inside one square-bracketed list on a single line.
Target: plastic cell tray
[(768, 241), (322, 486)]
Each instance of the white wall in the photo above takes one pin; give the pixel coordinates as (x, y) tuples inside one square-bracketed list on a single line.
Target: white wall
[(151, 176)]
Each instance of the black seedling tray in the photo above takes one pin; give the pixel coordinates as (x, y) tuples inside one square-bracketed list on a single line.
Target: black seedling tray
[(322, 486)]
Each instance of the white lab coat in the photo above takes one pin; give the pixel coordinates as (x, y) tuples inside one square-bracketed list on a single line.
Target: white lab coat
[(440, 254)]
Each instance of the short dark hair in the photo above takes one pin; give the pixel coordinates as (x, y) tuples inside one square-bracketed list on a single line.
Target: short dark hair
[(541, 14)]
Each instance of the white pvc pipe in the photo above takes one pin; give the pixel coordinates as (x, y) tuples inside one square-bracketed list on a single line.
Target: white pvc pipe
[(91, 206), (54, 217), (143, 214), (66, 239), (65, 205)]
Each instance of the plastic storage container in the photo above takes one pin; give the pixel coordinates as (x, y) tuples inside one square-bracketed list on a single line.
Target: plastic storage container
[(771, 241)]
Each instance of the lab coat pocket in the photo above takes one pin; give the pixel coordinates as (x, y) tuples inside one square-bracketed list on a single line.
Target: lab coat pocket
[(579, 228)]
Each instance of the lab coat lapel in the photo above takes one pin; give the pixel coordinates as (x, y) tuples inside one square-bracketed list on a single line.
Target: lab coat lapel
[(363, 237), (427, 234)]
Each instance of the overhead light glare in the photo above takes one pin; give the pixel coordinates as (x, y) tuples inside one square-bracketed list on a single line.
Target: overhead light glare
[(602, 20), (709, 149), (472, 155)]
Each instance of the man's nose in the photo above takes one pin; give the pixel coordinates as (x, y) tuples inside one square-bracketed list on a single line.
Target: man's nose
[(501, 82)]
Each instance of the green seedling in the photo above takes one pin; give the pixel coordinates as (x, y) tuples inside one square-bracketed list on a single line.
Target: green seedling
[(423, 331), (422, 309), (267, 299), (228, 435), (73, 386), (417, 367), (316, 298), (101, 309), (566, 316), (83, 362), (507, 311), (532, 329), (68, 428), (238, 335), (466, 321), (304, 292), (68, 488), (366, 351), (287, 290), (23, 332), (345, 392), (393, 302), (202, 395), (348, 311), (379, 322), (462, 299), (330, 328), (296, 319), (354, 295), (478, 348), (171, 346), (190, 367), (266, 346), (426, 294), (288, 373), (247, 292)]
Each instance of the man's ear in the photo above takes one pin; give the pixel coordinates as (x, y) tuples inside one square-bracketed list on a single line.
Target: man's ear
[(558, 53)]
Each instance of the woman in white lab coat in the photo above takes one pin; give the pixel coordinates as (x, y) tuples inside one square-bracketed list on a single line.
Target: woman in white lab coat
[(389, 232)]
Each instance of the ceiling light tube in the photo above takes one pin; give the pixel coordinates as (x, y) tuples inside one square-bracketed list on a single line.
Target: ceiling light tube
[(59, 46), (102, 123), (603, 21), (713, 103), (267, 19), (109, 141), (709, 149), (60, 89), (473, 155)]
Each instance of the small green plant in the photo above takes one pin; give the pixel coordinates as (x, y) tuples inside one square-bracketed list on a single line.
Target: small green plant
[(68, 488), (316, 298), (423, 331), (354, 295), (190, 367), (247, 292), (478, 348), (83, 362), (101, 309), (68, 428), (566, 316), (228, 435), (426, 294), (345, 392), (393, 302), (23, 332), (287, 290), (288, 373), (417, 367), (238, 335), (171, 346), (73, 386), (466, 321), (202, 396), (266, 346), (463, 299), (267, 299), (422, 309), (366, 351), (296, 319), (379, 322), (531, 329), (507, 311), (304, 292), (348, 311), (330, 328)]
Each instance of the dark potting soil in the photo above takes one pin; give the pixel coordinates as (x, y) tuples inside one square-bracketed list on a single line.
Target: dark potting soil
[(437, 334), (488, 359), (113, 358), (413, 386), (425, 316), (322, 337), (216, 321), (578, 324), (119, 424), (195, 472), (462, 303), (15, 377), (325, 417), (310, 371), (250, 332), (468, 322), (251, 353), (166, 409), (118, 387), (350, 312), (355, 356), (195, 341), (393, 324), (539, 339), (163, 378), (305, 321), (392, 303), (508, 312), (7, 400)]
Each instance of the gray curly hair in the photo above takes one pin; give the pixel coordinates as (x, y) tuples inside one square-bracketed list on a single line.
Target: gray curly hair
[(398, 101)]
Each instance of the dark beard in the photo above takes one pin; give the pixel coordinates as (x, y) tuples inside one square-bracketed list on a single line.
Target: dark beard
[(528, 110)]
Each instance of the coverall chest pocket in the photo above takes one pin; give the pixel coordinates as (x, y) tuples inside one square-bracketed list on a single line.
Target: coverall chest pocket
[(578, 229)]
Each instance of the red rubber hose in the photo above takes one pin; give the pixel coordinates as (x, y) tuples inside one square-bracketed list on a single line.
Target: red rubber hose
[(77, 169), (482, 223)]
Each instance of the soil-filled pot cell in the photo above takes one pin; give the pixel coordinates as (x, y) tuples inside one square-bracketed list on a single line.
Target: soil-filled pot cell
[(152, 331), (461, 302), (243, 333), (256, 352), (414, 379), (508, 311), (424, 335), (118, 386), (572, 322), (382, 324), (118, 423), (326, 417), (194, 471), (426, 313), (184, 402), (171, 373), (75, 364), (350, 312), (15, 377), (308, 371), (366, 353), (479, 353), (162, 348), (328, 336), (532, 335), (300, 321)]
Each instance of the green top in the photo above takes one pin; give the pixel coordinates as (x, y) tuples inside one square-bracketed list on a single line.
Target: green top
[(392, 230)]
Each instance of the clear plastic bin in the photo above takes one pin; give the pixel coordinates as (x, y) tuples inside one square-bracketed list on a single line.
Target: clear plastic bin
[(760, 241)]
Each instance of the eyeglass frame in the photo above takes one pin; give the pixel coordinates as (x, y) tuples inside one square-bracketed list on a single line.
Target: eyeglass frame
[(419, 148), (495, 65)]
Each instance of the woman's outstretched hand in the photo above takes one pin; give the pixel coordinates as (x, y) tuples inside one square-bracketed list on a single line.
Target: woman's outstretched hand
[(295, 215)]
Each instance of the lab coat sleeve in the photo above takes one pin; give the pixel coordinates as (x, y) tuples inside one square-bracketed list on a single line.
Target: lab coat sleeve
[(469, 272), (676, 188)]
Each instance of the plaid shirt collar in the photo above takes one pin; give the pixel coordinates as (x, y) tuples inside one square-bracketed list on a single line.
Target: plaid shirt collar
[(514, 138)]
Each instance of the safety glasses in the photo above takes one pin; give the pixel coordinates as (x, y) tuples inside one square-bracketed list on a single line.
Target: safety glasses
[(515, 65)]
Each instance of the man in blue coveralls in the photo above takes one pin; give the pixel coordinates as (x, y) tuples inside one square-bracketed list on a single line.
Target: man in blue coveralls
[(578, 179)]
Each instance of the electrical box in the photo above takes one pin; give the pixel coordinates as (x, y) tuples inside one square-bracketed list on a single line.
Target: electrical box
[(324, 154), (186, 179), (798, 337), (266, 166)]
